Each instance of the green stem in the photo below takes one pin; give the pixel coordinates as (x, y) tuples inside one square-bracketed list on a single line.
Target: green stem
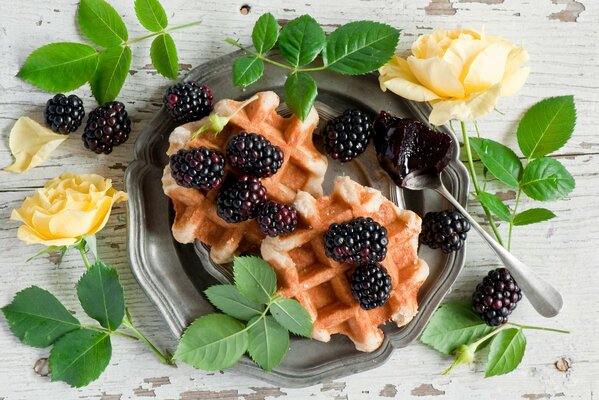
[(475, 182), (174, 28), (81, 248), (538, 328), (129, 325), (509, 235), (100, 329), (489, 335)]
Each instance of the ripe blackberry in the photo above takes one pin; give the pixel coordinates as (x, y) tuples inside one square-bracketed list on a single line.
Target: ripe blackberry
[(371, 285), (106, 127), (359, 241), (347, 136), (241, 199), (446, 229), (496, 297), (275, 219), (199, 168), (64, 114), (188, 101), (253, 154)]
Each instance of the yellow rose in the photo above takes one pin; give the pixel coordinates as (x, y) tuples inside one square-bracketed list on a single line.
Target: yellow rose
[(66, 209), (461, 72)]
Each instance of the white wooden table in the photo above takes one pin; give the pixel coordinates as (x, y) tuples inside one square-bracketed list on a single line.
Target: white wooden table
[(561, 37)]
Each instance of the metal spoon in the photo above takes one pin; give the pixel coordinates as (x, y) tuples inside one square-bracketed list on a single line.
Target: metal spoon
[(543, 296)]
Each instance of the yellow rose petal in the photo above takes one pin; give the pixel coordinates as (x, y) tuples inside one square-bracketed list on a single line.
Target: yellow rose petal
[(488, 68), (30, 144), (460, 55), (465, 110), (513, 83), (436, 74), (397, 77), (30, 236)]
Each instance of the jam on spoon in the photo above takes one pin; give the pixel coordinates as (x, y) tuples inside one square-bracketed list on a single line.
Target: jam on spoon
[(406, 147)]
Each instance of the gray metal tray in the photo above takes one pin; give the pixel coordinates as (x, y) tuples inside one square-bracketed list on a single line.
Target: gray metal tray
[(174, 275)]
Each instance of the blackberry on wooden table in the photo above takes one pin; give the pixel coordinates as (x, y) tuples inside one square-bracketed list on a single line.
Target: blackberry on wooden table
[(359, 241), (199, 168), (496, 297), (64, 114), (107, 126)]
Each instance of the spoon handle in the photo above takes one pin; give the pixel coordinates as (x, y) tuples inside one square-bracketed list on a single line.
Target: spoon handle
[(542, 295)]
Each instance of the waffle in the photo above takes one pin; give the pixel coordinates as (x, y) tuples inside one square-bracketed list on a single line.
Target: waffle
[(303, 169), (321, 284)]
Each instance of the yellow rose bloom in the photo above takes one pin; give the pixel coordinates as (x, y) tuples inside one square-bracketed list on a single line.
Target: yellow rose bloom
[(461, 72), (66, 209)]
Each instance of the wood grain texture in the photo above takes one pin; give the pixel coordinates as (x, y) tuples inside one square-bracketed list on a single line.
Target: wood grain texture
[(560, 36)]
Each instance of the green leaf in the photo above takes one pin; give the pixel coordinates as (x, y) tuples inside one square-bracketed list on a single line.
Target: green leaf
[(37, 318), (500, 160), (292, 316), (80, 357), (247, 70), (60, 67), (360, 47), (229, 300), (546, 179), (452, 325), (547, 126), (254, 278), (111, 74), (151, 15), (300, 93), (101, 295), (506, 352), (268, 342), (213, 342), (101, 23), (301, 40), (265, 33), (163, 53), (495, 205), (533, 216)]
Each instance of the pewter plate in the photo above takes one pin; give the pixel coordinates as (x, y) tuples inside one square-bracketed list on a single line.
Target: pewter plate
[(174, 275)]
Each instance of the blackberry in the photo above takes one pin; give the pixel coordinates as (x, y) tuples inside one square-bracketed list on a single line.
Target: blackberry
[(106, 127), (275, 219), (496, 297), (371, 285), (359, 241), (241, 199), (64, 114), (253, 154), (199, 168), (188, 101), (446, 230), (347, 136)]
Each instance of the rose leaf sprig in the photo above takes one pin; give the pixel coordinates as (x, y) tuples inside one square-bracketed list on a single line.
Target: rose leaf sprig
[(254, 320), (456, 330), (65, 66), (353, 49), (80, 352)]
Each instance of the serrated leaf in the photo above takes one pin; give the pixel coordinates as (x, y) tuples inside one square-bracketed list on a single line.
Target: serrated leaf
[(101, 295), (360, 47), (495, 205), (111, 74), (300, 93), (151, 15), (254, 278), (37, 318), (500, 160), (80, 357), (247, 70), (452, 325), (546, 179), (302, 39), (292, 316), (506, 352), (268, 342), (101, 23), (547, 126), (163, 53), (265, 33), (229, 300), (60, 67), (212, 342), (533, 216)]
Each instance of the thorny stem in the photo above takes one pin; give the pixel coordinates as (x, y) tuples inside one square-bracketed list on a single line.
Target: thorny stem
[(174, 28), (83, 251), (137, 334), (475, 182)]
